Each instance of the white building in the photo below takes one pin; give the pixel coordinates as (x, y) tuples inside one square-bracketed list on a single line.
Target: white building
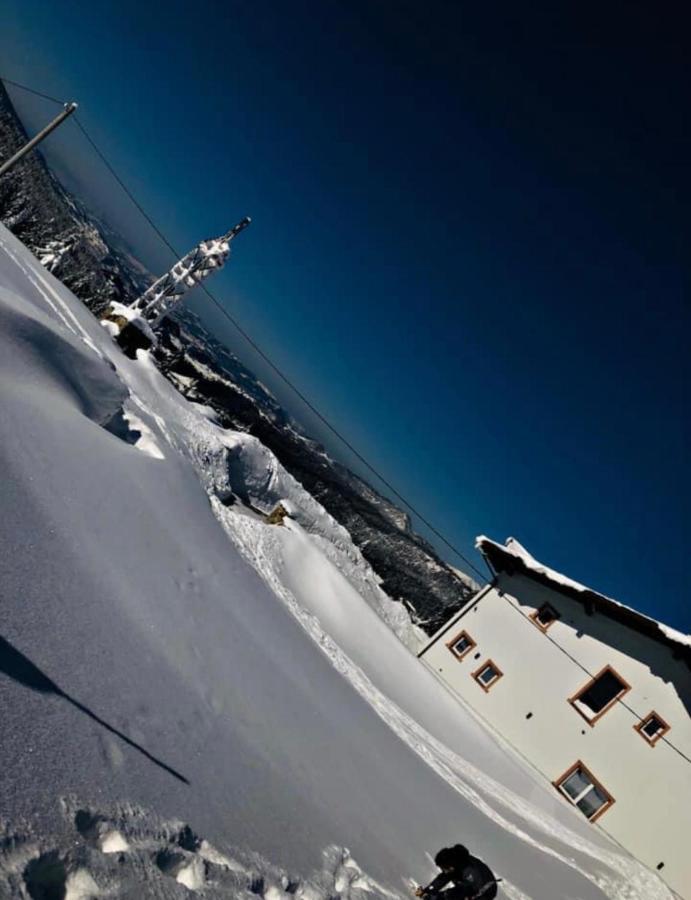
[(596, 696)]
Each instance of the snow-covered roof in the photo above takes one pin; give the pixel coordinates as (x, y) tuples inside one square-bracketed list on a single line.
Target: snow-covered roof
[(513, 557)]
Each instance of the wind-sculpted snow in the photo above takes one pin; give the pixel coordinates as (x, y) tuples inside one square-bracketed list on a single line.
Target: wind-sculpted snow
[(197, 702), (92, 260), (132, 852)]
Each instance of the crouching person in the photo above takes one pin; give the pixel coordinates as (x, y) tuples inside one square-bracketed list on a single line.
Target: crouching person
[(468, 876)]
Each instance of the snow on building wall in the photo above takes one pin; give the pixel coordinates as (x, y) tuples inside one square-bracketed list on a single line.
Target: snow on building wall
[(596, 696)]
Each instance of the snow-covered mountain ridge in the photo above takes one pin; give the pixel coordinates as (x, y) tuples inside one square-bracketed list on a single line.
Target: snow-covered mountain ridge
[(172, 666), (86, 256)]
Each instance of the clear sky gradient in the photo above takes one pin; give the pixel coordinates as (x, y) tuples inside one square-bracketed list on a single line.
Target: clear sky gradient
[(469, 242)]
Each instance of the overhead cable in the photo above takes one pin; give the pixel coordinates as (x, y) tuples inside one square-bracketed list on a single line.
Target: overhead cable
[(29, 90), (284, 378)]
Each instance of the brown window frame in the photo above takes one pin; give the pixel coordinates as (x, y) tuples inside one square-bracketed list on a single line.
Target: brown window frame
[(605, 709), (487, 687), (468, 649), (536, 621), (579, 764), (651, 741)]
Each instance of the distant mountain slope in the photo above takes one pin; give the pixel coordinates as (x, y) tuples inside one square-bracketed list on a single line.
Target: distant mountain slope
[(410, 569), (69, 240), (84, 254)]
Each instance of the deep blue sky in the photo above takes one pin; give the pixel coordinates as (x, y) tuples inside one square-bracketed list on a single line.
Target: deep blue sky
[(468, 246)]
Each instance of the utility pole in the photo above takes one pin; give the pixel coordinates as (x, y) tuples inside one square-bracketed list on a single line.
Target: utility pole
[(51, 126)]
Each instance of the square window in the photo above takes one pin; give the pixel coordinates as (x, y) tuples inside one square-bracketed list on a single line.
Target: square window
[(652, 728), (545, 616), (461, 645), (580, 788), (593, 700), (487, 675)]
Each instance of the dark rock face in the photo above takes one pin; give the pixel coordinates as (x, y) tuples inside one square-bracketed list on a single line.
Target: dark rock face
[(82, 252), (66, 238), (411, 571)]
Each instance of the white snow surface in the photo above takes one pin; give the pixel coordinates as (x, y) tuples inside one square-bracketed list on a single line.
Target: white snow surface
[(195, 702), (515, 548)]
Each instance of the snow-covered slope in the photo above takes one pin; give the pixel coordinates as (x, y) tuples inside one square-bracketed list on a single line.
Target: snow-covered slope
[(410, 570), (94, 262), (194, 700)]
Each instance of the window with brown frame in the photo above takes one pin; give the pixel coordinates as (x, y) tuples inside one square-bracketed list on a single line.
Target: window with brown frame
[(545, 616), (600, 694), (652, 728), (461, 644), (487, 675), (581, 789)]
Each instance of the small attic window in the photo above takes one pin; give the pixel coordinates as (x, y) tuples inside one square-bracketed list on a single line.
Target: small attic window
[(545, 616), (487, 675), (461, 645), (652, 728), (599, 695)]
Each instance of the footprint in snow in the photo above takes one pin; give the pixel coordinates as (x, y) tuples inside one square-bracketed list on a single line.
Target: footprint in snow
[(129, 853)]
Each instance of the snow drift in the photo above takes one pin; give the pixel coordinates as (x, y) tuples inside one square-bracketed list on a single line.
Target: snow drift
[(195, 701)]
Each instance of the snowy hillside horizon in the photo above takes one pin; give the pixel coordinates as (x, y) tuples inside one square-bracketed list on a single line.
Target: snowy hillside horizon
[(201, 696), (198, 702), (92, 261)]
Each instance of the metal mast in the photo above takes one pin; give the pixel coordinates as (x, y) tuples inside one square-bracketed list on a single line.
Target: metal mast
[(168, 291)]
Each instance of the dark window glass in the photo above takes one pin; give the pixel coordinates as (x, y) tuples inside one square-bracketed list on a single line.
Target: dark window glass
[(489, 673), (546, 615), (653, 726), (576, 783), (602, 692), (591, 802), (461, 644)]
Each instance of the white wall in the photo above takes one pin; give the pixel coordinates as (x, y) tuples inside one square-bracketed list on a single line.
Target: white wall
[(651, 785)]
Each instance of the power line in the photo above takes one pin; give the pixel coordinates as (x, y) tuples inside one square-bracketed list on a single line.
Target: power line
[(591, 676), (284, 378), (341, 437), (290, 384), (122, 184), (29, 90)]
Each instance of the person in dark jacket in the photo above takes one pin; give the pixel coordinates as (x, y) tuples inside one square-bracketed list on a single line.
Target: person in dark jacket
[(469, 876)]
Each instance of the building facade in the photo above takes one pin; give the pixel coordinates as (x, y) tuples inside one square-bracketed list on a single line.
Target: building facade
[(594, 695)]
